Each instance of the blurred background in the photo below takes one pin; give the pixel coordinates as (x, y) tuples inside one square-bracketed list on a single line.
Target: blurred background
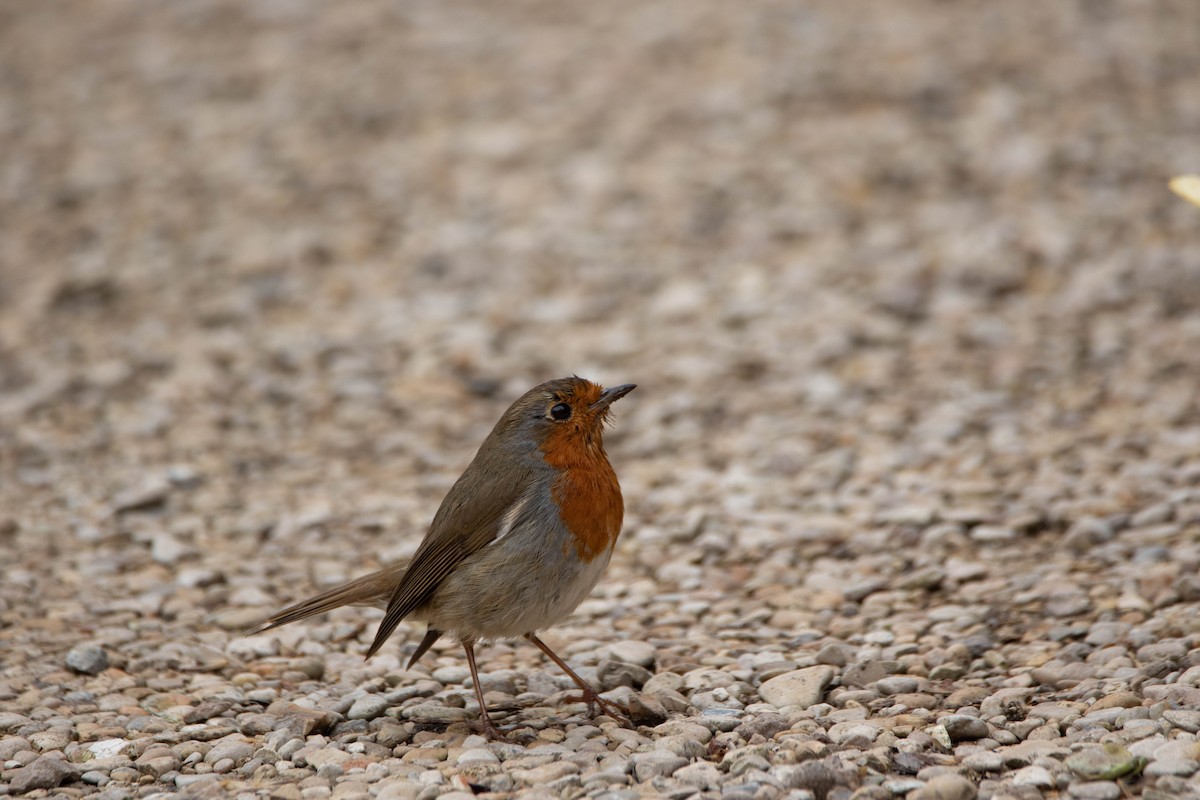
[(270, 271)]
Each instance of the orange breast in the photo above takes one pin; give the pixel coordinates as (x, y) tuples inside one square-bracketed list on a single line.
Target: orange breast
[(590, 505), (587, 493)]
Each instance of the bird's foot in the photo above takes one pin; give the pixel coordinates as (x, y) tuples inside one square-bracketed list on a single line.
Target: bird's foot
[(490, 731), (608, 707)]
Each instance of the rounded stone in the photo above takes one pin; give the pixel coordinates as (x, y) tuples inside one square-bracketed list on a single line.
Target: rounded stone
[(478, 755), (655, 764), (945, 787), (803, 687), (368, 706), (1185, 718), (962, 727), (44, 773), (434, 714), (987, 761), (451, 675), (88, 659), (632, 651), (897, 684), (1094, 790), (1106, 762), (233, 749), (1039, 777), (326, 756)]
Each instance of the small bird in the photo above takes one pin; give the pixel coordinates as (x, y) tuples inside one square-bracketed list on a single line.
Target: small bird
[(518, 542)]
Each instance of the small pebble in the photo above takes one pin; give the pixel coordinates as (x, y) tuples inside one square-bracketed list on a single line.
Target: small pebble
[(368, 706), (87, 659)]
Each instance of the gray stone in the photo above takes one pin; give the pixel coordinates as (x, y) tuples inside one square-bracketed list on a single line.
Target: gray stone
[(10, 721), (897, 684), (702, 775), (44, 773), (368, 706), (632, 651), (167, 549), (108, 748), (94, 777), (664, 682), (234, 749), (1008, 702), (477, 755), (1158, 651), (1068, 604), (206, 711), (655, 764), (398, 789), (158, 765), (612, 674), (716, 699), (864, 673), (854, 735), (857, 592), (1033, 776), (88, 659), (927, 578), (1103, 634), (835, 654), (945, 787), (962, 727), (683, 727), (681, 745), (1176, 757), (1102, 763), (902, 786), (814, 776), (1185, 718), (986, 761), (55, 738), (705, 679), (435, 714), (1086, 533), (303, 721), (947, 672), (546, 773), (1094, 790), (326, 756), (803, 688), (451, 675), (765, 725), (992, 534), (1171, 766), (153, 491)]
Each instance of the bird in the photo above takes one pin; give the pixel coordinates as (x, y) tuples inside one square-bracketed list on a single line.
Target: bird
[(519, 541)]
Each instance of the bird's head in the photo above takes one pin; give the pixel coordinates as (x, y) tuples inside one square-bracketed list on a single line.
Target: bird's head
[(564, 418)]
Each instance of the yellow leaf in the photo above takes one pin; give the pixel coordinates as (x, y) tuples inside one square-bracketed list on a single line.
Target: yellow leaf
[(1187, 187)]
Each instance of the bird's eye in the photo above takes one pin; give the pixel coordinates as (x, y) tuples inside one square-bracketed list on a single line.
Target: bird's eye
[(560, 412)]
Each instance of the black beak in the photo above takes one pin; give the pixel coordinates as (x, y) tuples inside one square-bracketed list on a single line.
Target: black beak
[(612, 393)]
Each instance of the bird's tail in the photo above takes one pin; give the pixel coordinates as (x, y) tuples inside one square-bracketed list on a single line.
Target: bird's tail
[(370, 590)]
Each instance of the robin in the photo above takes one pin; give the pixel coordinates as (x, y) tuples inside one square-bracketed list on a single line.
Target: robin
[(518, 542)]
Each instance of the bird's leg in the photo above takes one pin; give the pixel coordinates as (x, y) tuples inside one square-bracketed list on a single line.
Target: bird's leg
[(489, 729), (590, 695)]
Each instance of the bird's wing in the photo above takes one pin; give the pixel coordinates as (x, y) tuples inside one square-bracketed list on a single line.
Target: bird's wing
[(487, 498)]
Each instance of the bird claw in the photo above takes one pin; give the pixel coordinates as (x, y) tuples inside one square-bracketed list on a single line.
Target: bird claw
[(610, 708), (491, 732)]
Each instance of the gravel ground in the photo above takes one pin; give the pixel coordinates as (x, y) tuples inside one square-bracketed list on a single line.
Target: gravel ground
[(912, 477)]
